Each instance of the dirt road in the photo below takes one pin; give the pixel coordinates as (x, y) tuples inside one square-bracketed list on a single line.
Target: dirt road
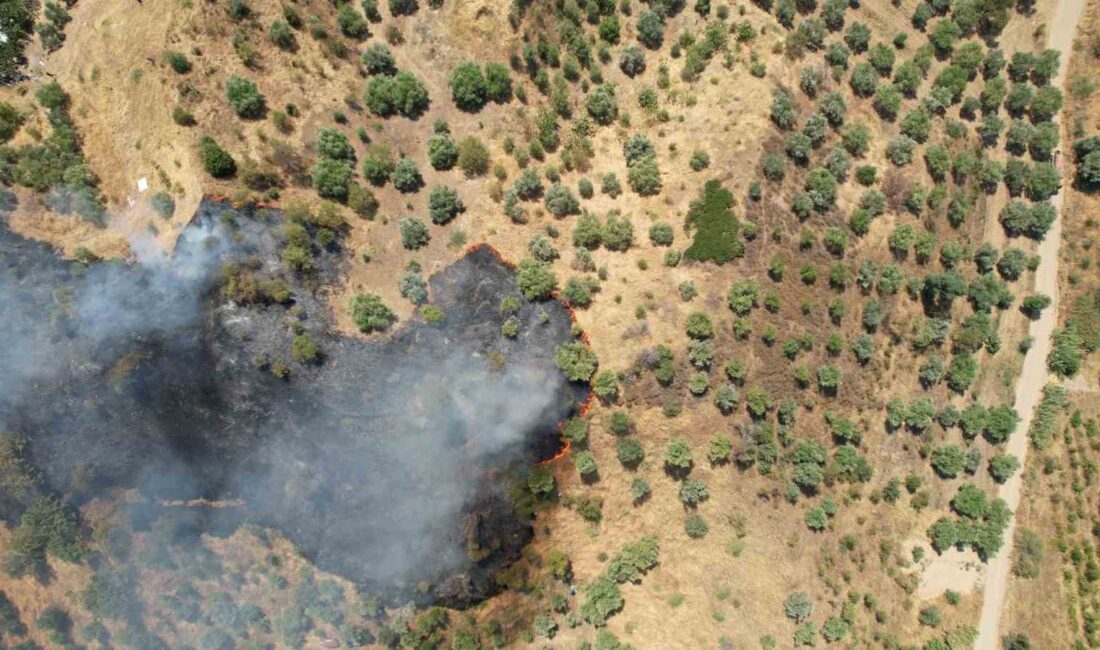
[(1034, 375)]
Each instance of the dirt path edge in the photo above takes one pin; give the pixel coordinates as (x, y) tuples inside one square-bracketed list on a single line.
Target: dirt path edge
[(1034, 376)]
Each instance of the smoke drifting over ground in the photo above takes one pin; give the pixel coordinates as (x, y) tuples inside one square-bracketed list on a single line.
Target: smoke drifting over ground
[(389, 463)]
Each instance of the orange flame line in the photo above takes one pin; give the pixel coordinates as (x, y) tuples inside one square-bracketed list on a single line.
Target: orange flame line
[(221, 198), (473, 248), (566, 445), (582, 407)]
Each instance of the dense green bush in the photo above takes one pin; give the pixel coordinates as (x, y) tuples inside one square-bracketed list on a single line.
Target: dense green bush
[(774, 166), (378, 60), (178, 61), (304, 350), (578, 292), (398, 94), (352, 23), (602, 599), (821, 187), (444, 205), (917, 124), (1045, 104), (809, 81), (585, 463), (331, 178), (1045, 420), (542, 248), (406, 177), (245, 98), (1012, 264), (10, 121), (560, 201), (1021, 219), (720, 450), (970, 502), (163, 204), (962, 372), (900, 151), (798, 607), (370, 313), (1033, 305), (630, 452), (618, 233), (650, 29), (47, 526), (528, 185), (943, 36), (782, 110), (576, 360), (606, 385), (835, 629), (948, 460), (634, 561), (644, 176), (1043, 141), (414, 234), (632, 61), (334, 144), (469, 89), (678, 457), (585, 188), (1003, 466), (856, 139), (1043, 182), (864, 79), (535, 279), (602, 105), (498, 83), (215, 160), (362, 201), (588, 233), (743, 296), (282, 36), (695, 526), (575, 431), (693, 491), (1086, 154), (413, 287), (661, 234), (716, 230), (1064, 359), (378, 165), (18, 21), (699, 325), (403, 7), (834, 108), (473, 157)]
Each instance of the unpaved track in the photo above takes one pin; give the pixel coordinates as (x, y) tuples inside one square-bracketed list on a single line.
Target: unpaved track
[(1034, 376)]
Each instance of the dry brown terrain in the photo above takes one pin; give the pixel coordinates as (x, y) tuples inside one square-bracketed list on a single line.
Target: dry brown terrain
[(727, 589)]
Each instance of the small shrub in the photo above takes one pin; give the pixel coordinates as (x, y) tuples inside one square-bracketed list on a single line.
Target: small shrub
[(473, 157), (245, 98), (695, 526), (370, 313), (215, 160)]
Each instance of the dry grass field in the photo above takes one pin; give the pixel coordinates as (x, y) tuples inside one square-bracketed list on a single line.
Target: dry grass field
[(871, 571)]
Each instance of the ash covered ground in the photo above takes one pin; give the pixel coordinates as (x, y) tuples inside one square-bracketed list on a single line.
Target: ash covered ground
[(390, 462)]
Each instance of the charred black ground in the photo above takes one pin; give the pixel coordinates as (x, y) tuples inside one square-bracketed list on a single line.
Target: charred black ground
[(389, 463)]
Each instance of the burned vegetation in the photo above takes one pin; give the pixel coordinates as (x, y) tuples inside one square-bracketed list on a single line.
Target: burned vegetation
[(389, 462), (806, 255)]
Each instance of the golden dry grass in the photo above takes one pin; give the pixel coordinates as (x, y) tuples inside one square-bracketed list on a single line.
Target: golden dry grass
[(123, 97)]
